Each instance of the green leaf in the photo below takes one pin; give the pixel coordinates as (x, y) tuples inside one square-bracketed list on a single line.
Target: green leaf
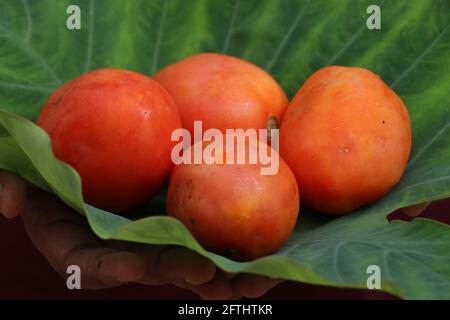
[(289, 38)]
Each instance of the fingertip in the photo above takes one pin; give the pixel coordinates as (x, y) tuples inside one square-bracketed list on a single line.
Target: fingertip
[(123, 266), (254, 286), (12, 195), (180, 263), (201, 270), (218, 288)]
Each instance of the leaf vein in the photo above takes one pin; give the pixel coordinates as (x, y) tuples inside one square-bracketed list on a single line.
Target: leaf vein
[(428, 144), (335, 260), (29, 49), (286, 38), (429, 181), (419, 59), (347, 45), (393, 250), (349, 42), (90, 40), (29, 20), (25, 87), (159, 36), (230, 27), (386, 264)]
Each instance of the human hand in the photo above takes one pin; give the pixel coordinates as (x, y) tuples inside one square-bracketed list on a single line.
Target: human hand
[(64, 238)]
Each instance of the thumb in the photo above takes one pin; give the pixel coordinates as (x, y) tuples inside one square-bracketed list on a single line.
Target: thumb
[(65, 239), (12, 194)]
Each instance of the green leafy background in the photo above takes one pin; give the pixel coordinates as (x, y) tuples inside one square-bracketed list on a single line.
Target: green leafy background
[(290, 39)]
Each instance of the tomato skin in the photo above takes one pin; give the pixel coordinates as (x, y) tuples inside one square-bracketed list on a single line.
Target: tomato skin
[(114, 127), (232, 209), (347, 137), (223, 92)]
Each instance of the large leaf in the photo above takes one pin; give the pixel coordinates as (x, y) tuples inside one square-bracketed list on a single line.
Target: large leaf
[(290, 39)]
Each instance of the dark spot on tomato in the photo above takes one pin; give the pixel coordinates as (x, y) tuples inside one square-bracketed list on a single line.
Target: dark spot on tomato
[(57, 102), (230, 251), (99, 264), (192, 221)]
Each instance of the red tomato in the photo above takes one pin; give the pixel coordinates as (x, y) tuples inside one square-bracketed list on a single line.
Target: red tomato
[(114, 127), (223, 92), (232, 209)]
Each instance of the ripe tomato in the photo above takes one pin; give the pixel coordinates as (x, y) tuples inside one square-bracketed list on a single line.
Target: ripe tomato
[(346, 136), (114, 127), (223, 92), (232, 209)]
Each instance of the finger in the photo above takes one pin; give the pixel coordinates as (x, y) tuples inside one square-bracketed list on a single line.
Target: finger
[(416, 210), (254, 286), (180, 263), (53, 227), (219, 288), (171, 263), (12, 194), (64, 238), (105, 268)]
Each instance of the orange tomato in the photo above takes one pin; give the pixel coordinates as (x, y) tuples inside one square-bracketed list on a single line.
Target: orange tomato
[(347, 137), (232, 209), (223, 92)]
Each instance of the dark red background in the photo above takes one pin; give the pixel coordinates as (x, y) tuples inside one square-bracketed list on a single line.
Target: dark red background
[(25, 274)]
